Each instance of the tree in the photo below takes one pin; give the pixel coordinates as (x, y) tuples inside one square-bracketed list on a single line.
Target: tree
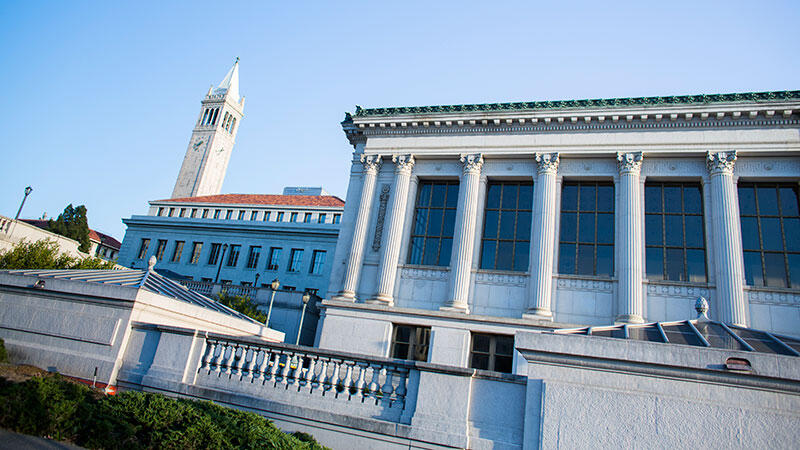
[(244, 305), (73, 224), (44, 254)]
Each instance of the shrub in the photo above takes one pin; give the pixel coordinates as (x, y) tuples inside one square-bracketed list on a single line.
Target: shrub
[(3, 353), (45, 254), (244, 305)]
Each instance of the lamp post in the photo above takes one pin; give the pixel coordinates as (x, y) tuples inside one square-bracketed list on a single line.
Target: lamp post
[(306, 298), (274, 285), (219, 267), (255, 283), (27, 193)]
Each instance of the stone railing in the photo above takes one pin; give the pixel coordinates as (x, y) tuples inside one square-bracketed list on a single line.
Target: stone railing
[(201, 287), (380, 382)]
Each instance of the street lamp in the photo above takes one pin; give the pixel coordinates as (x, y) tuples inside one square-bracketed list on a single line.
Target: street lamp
[(255, 283), (306, 298), (27, 193), (274, 285), (224, 248)]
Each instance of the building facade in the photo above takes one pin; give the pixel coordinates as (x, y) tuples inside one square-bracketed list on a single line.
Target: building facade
[(465, 224)]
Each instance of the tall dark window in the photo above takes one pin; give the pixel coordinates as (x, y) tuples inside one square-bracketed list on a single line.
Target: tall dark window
[(241, 215), (434, 220), (143, 248), (410, 342), (196, 248), (337, 218), (321, 218), (253, 215), (216, 213), (266, 216), (162, 246), (213, 255), (295, 259), (507, 226), (274, 258), (233, 255), (586, 237), (228, 215), (293, 217), (279, 217), (317, 262), (205, 214), (176, 253), (674, 232), (307, 218), (252, 257), (492, 352), (770, 233)]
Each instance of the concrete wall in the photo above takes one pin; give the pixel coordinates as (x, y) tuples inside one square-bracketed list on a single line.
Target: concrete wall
[(12, 232)]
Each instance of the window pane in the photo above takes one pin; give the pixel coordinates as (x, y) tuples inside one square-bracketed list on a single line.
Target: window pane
[(605, 198), (569, 227), (452, 195), (431, 251), (493, 196), (586, 227), (674, 230), (420, 220), (692, 199), (504, 345), (438, 194), (524, 225), (525, 197), (605, 228), (510, 193), (605, 260), (750, 233), (789, 205), (480, 361), (566, 258), (415, 255), (771, 234), (444, 252), (507, 219), (424, 194), (505, 254), (569, 198), (585, 259), (696, 265), (674, 270), (652, 198), (435, 222), (449, 222), (752, 269), (747, 200), (652, 229), (587, 197), (487, 254), (672, 199), (480, 343), (794, 270), (654, 263), (791, 231), (767, 200), (694, 231), (400, 351), (490, 226), (521, 250), (503, 364), (775, 269)]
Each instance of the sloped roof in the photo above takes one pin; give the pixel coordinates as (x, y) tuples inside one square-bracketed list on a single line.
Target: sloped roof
[(697, 333), (263, 199), (230, 84), (138, 279), (587, 103)]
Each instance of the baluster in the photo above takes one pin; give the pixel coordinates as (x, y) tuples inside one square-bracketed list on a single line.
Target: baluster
[(387, 388), (251, 365), (348, 379), (362, 368), (400, 390), (210, 360), (274, 368), (310, 372), (297, 370), (264, 366), (240, 362), (224, 363), (322, 380), (374, 386), (335, 377), (286, 367)]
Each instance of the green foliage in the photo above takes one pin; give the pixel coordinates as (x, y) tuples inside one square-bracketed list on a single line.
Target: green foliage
[(3, 353), (73, 224), (45, 254), (244, 305), (52, 406)]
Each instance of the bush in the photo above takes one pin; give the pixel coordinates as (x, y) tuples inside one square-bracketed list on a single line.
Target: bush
[(45, 254), (244, 305), (3, 353), (54, 407)]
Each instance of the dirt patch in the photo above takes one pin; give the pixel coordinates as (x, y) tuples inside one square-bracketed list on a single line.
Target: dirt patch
[(20, 373)]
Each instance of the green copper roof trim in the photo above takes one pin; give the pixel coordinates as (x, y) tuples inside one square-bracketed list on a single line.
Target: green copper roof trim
[(593, 103)]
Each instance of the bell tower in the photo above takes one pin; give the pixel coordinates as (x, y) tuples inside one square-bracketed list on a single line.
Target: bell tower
[(206, 161)]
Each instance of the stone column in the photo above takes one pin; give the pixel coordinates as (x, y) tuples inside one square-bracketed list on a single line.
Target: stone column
[(543, 238), (728, 258), (630, 305), (387, 271), (464, 239), (372, 165)]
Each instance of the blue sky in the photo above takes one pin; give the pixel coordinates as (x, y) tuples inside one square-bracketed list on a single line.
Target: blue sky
[(99, 98)]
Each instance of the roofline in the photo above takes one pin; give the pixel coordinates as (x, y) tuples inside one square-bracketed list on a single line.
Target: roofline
[(241, 205)]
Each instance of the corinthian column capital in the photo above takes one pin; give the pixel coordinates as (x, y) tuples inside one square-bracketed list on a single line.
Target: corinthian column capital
[(472, 162), (547, 162), (403, 163), (721, 162), (629, 162), (372, 163)]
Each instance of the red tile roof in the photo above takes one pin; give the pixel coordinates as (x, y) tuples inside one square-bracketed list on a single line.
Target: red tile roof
[(263, 199)]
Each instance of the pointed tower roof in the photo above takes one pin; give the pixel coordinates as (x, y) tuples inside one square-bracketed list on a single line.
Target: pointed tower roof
[(230, 84)]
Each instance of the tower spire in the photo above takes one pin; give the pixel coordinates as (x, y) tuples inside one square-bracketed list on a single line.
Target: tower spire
[(230, 84)]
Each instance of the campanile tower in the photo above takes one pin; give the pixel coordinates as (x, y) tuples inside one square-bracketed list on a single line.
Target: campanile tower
[(206, 161)]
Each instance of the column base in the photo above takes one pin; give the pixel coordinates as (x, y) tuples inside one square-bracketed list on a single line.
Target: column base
[(629, 318), (455, 307), (379, 299), (345, 296), (538, 314)]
